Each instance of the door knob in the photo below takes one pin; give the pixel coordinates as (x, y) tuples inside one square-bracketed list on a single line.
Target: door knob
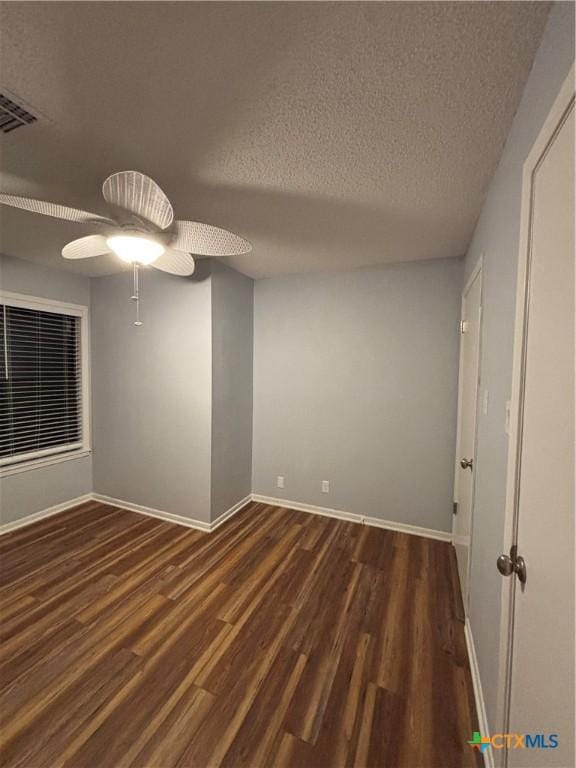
[(520, 569), (513, 563), (467, 463), (505, 565)]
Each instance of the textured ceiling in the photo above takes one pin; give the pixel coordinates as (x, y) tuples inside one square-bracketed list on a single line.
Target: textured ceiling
[(330, 135)]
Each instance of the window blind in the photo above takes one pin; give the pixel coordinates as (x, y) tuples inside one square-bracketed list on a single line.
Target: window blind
[(40, 383)]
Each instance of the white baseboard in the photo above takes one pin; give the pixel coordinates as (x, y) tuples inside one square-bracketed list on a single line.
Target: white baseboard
[(201, 525), (478, 694), (229, 512), (324, 511), (169, 517), (414, 530), (43, 513)]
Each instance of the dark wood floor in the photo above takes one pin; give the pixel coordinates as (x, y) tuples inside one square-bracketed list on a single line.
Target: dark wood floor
[(281, 639)]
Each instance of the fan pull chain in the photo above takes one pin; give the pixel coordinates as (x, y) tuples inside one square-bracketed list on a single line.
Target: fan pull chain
[(136, 295)]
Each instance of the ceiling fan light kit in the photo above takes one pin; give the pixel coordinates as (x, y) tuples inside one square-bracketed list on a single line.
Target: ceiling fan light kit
[(146, 235), (135, 249)]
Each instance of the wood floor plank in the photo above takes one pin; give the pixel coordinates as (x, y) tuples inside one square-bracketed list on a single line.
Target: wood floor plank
[(174, 733), (256, 740), (66, 715), (68, 568), (281, 639)]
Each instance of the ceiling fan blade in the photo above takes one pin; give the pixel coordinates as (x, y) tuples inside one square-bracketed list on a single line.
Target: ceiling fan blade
[(86, 247), (206, 240), (175, 262), (140, 195), (53, 209)]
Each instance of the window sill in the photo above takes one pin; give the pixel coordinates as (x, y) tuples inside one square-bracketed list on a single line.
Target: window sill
[(45, 461)]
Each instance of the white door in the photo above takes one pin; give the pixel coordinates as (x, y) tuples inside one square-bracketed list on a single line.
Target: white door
[(467, 416), (541, 671)]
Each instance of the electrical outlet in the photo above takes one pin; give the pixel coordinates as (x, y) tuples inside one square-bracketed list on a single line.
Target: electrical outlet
[(280, 481), (325, 487), (485, 403)]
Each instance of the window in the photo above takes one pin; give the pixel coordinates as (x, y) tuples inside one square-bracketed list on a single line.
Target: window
[(43, 379)]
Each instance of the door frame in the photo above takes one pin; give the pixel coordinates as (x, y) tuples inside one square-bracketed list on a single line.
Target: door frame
[(550, 128), (477, 271)]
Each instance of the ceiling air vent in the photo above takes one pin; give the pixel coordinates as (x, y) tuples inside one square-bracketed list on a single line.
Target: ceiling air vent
[(12, 115)]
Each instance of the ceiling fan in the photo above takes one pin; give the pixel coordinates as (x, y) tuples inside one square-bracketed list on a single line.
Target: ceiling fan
[(143, 231)]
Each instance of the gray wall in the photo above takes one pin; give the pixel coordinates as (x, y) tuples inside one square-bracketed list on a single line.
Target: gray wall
[(232, 343), (33, 490), (497, 236), (152, 392), (355, 382)]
